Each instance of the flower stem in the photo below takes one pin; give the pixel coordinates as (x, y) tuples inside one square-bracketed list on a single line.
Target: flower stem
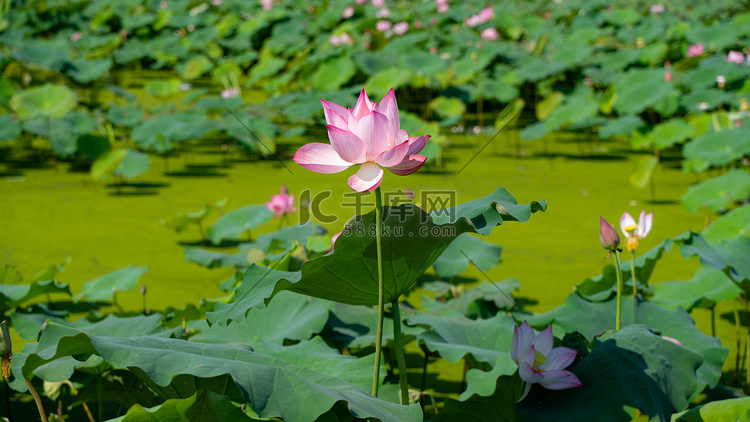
[(381, 291), (403, 382), (618, 271), (634, 280), (38, 400)]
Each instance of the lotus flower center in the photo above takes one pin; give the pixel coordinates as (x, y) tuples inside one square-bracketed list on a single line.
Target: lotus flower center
[(632, 243), (539, 360)]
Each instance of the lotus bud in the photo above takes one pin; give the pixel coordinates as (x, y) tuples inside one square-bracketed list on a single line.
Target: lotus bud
[(744, 106), (608, 236), (721, 81), (640, 43), (143, 289)]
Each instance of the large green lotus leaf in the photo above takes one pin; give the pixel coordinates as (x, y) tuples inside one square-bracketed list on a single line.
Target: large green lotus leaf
[(163, 87), (653, 54), (604, 286), (194, 67), (548, 105), (9, 274), (729, 226), (719, 192), (573, 111), (85, 71), (481, 383), (454, 336), (107, 162), (729, 256), (705, 74), (592, 318), (232, 224), (469, 302), (721, 410), (426, 64), (642, 171), (62, 369), (623, 125), (334, 73), (10, 129), (269, 386), (707, 288), (128, 115), (133, 164), (105, 287), (493, 401), (50, 101), (261, 128), (639, 89), (534, 69), (717, 36), (448, 107), (412, 240), (620, 59), (671, 132), (92, 146), (716, 149), (13, 295), (52, 54), (159, 132), (355, 327), (632, 368), (203, 406), (393, 77), (621, 17), (465, 250), (708, 99), (290, 316), (571, 54)]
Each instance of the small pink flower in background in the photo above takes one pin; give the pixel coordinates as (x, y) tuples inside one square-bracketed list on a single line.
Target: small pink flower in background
[(489, 34), (369, 135), (361, 1), (348, 12), (123, 33), (230, 93), (735, 57), (483, 16), (418, 24), (695, 50), (383, 25), (656, 9), (673, 340), (433, 50), (281, 203), (216, 2), (401, 28), (266, 4), (163, 4), (378, 3), (608, 236), (383, 13), (76, 36), (442, 7), (341, 39), (539, 363), (486, 14), (634, 232), (668, 71)]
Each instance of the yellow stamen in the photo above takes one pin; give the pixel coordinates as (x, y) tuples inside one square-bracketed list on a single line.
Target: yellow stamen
[(632, 243)]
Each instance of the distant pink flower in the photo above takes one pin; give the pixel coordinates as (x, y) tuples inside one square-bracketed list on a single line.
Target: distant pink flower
[(378, 3), (163, 4), (695, 50), (443, 7), (539, 363), (735, 57), (401, 28), (266, 4), (361, 1), (216, 2), (634, 232), (369, 135), (383, 25), (483, 16), (230, 93), (608, 236), (341, 39), (667, 75), (489, 34), (76, 36), (486, 14), (281, 203), (656, 9), (418, 24), (383, 13), (123, 33), (348, 12)]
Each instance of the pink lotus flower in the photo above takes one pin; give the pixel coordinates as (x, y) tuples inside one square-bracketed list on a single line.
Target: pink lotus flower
[(634, 232), (486, 14), (735, 57), (378, 3), (266, 4), (695, 50), (443, 7), (230, 93), (348, 12), (673, 340), (608, 236), (333, 240), (668, 75), (383, 25), (401, 28), (656, 9), (281, 203), (539, 363), (76, 36), (489, 34), (361, 1), (369, 135)]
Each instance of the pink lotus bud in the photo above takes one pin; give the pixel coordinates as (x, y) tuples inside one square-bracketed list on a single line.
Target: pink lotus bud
[(76, 36), (735, 57), (608, 236), (266, 4), (348, 12), (401, 28), (230, 93), (667, 75), (489, 34), (383, 25), (695, 50), (378, 3), (442, 8)]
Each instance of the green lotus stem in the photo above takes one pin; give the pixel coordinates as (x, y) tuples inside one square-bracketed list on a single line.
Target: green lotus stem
[(635, 283), (618, 270), (747, 364), (381, 291), (38, 400), (399, 348), (739, 334)]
